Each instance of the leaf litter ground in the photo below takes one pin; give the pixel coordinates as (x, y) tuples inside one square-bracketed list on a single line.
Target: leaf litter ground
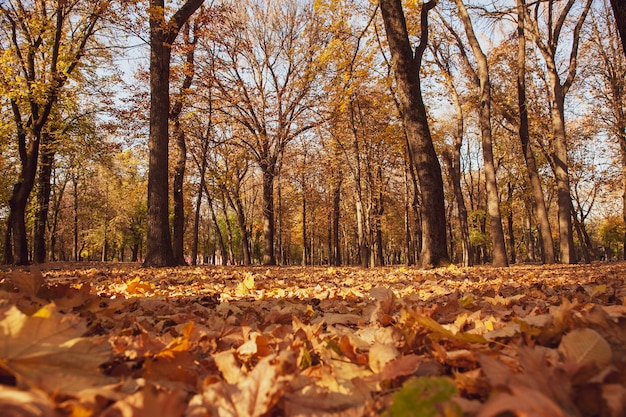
[(119, 340)]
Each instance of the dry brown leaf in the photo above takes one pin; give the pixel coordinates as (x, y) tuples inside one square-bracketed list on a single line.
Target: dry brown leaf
[(228, 366), (521, 402), (28, 283), (148, 402), (254, 395), (583, 345), (380, 355)]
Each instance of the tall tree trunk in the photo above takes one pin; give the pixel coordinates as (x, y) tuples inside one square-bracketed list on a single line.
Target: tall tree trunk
[(539, 204), (564, 200), (159, 242), (75, 251), (305, 244), (406, 66), (484, 119), (619, 11), (163, 33), (196, 218), (510, 224), (178, 197), (43, 198), (557, 91), (453, 159), (19, 200), (335, 217)]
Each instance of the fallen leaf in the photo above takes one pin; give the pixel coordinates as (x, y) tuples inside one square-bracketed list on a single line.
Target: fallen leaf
[(40, 348), (19, 403), (254, 396), (582, 345), (380, 355), (28, 283)]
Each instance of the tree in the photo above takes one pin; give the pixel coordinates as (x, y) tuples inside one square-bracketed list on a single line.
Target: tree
[(493, 203), (43, 44), (524, 135), (163, 33), (268, 82), (451, 154), (608, 66), (548, 43), (406, 66)]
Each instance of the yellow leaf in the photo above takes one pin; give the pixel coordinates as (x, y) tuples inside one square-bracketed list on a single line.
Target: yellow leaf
[(48, 350)]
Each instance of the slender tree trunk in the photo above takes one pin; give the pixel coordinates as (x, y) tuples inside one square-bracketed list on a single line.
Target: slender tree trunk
[(75, 250), (267, 169), (336, 214), (179, 199), (305, 243), (406, 66), (484, 118), (237, 206), (564, 200), (196, 219), (454, 172), (510, 225), (218, 232), (43, 198), (539, 204)]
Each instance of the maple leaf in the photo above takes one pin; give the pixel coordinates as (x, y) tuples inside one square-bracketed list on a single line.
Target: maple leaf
[(38, 349)]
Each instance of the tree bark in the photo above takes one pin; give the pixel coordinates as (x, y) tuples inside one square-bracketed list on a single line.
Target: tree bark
[(558, 90), (335, 217), (406, 66), (539, 204), (162, 36), (484, 118), (619, 11), (268, 169), (43, 198)]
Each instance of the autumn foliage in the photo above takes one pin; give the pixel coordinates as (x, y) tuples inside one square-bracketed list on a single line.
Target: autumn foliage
[(117, 340)]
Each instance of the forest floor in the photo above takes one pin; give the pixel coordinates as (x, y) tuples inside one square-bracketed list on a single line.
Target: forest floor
[(118, 340)]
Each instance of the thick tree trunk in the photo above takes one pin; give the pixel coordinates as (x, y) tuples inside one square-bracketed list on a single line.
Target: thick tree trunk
[(619, 11), (19, 200), (484, 119), (406, 68), (539, 204), (162, 35), (159, 242)]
